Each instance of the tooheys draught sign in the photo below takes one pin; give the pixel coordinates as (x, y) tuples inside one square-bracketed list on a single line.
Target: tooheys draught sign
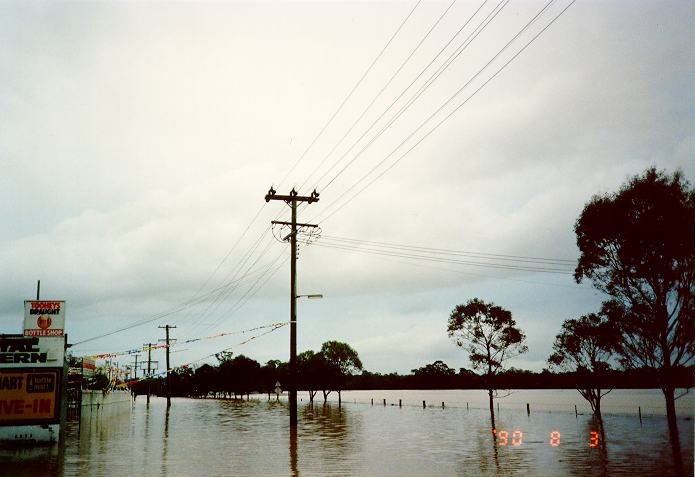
[(44, 318)]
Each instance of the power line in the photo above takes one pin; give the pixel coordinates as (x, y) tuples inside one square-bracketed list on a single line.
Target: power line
[(499, 256), (430, 258), (412, 263), (183, 306), (410, 102), (320, 133), (250, 292), (445, 117), (274, 328), (429, 118), (225, 293), (466, 42), (136, 351), (378, 95), (354, 88), (224, 259)]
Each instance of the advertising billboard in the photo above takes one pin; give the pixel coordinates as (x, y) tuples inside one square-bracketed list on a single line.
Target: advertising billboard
[(17, 351), (44, 318), (30, 396)]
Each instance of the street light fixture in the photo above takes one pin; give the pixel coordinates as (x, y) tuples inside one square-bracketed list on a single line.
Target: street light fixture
[(317, 296)]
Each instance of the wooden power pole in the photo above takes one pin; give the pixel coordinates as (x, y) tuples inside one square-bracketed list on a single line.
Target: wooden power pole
[(149, 370), (136, 366), (292, 199), (167, 327)]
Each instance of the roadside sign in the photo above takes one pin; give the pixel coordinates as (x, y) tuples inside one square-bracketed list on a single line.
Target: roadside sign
[(17, 351), (30, 396), (44, 318)]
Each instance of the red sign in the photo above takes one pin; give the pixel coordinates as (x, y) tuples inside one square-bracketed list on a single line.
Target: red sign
[(44, 318)]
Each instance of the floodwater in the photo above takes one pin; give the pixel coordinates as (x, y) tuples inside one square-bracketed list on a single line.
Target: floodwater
[(208, 437)]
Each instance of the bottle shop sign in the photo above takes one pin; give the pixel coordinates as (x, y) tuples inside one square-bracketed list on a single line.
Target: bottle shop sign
[(44, 318)]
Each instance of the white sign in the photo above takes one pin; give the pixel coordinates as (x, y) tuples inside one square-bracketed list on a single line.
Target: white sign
[(18, 351), (44, 318)]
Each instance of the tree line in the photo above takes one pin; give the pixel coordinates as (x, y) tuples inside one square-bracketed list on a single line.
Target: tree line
[(239, 376), (326, 370)]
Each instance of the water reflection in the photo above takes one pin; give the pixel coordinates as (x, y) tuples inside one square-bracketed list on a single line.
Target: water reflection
[(165, 442), (23, 462), (590, 454), (327, 420), (331, 434), (211, 437)]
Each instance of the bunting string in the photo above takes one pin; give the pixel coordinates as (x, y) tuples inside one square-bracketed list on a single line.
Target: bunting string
[(272, 326)]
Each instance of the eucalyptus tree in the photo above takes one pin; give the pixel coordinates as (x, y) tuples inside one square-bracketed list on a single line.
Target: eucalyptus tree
[(636, 245), (586, 346), (342, 361), (490, 335)]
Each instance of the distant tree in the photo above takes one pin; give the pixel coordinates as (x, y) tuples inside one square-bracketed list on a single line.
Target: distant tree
[(182, 381), (270, 373), (491, 337), (636, 245), (342, 361), (434, 375), (314, 373), (585, 346), (245, 374), (224, 356), (204, 379)]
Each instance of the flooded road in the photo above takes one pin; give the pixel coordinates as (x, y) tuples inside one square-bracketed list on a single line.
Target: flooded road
[(207, 437)]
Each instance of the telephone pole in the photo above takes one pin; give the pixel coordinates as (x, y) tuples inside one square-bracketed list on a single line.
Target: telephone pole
[(149, 370), (292, 199), (167, 327), (136, 366)]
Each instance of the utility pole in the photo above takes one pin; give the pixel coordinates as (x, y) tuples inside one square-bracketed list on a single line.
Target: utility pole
[(167, 327), (38, 289), (292, 199), (149, 375), (136, 366)]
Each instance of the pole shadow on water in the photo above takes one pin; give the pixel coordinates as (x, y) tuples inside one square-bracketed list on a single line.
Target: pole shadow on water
[(146, 431), (165, 444)]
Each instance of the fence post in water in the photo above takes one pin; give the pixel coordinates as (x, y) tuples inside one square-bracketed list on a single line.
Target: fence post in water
[(575, 411), (442, 404), (639, 410), (498, 408), (372, 401), (528, 409), (424, 405), (384, 401), (466, 405), (400, 403)]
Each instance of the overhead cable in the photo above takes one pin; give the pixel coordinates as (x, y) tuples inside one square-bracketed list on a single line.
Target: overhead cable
[(442, 121)]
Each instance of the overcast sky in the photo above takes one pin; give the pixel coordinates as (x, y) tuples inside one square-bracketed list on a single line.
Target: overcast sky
[(138, 139)]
